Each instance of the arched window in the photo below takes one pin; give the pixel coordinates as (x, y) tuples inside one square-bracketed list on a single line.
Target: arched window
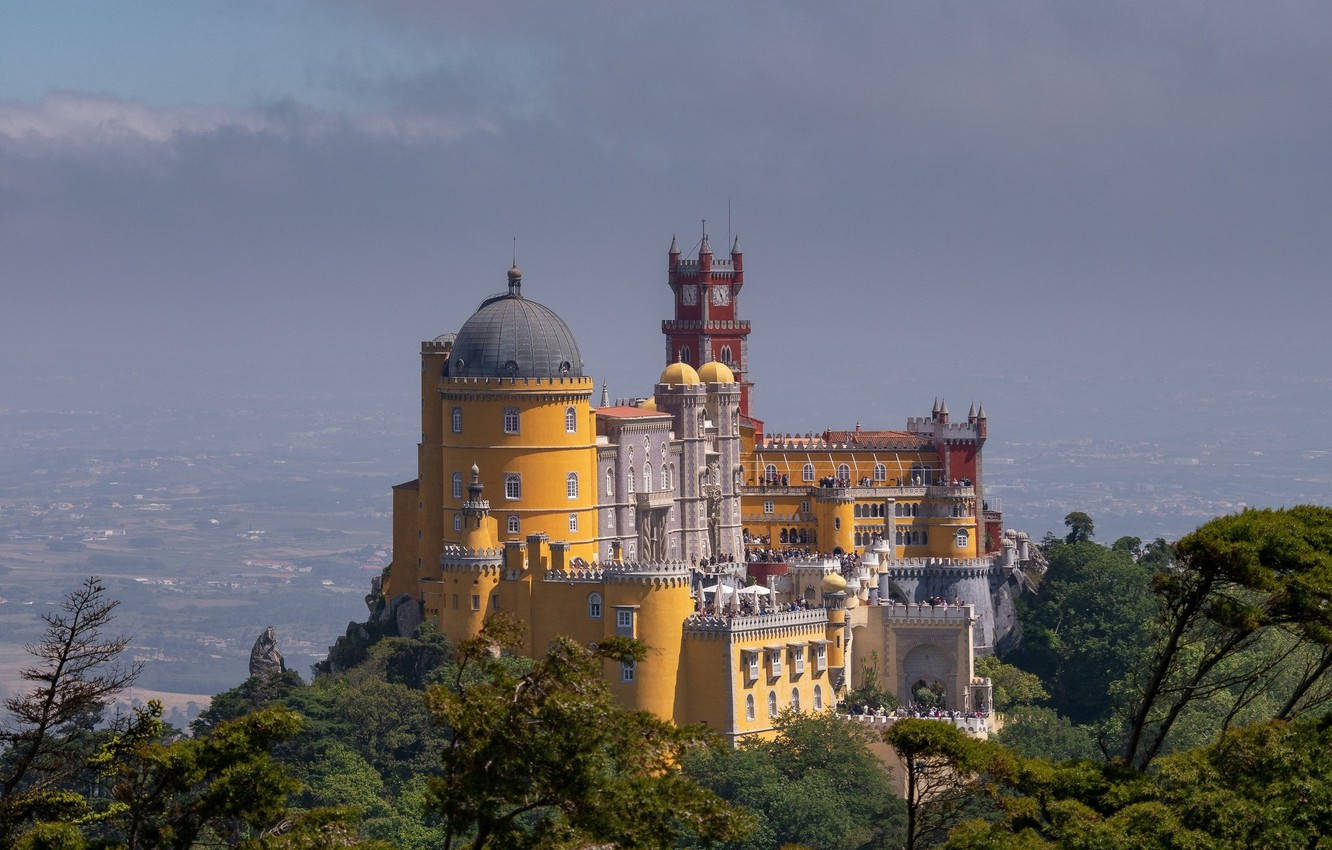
[(594, 606), (772, 703), (573, 522), (457, 485), (915, 509), (457, 420), (749, 706), (726, 354), (844, 473), (807, 474), (685, 354), (899, 538), (571, 485), (647, 478), (630, 483), (795, 698), (857, 536), (837, 523), (781, 538), (855, 510), (457, 522), (610, 482), (880, 473), (513, 525), (667, 476), (963, 538), (818, 698), (769, 473), (570, 420)]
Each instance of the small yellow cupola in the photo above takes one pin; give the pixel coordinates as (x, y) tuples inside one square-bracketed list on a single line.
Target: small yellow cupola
[(480, 530), (679, 373), (649, 403), (716, 372), (833, 583)]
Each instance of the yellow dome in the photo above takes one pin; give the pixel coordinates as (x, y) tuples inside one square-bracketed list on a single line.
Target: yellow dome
[(649, 403), (833, 583), (679, 373), (716, 372)]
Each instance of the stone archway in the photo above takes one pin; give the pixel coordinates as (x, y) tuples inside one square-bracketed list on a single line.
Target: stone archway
[(932, 665)]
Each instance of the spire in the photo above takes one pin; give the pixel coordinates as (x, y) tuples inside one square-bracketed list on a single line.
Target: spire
[(706, 246), (935, 410), (971, 411), (605, 395), (980, 414), (675, 246), (943, 407), (735, 246)]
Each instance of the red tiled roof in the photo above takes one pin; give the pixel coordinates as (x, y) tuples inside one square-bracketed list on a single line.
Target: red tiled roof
[(625, 411)]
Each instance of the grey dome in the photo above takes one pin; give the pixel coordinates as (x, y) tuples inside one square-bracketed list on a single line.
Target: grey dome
[(510, 336)]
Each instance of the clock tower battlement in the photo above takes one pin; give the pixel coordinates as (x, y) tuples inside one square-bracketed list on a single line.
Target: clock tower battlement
[(707, 326)]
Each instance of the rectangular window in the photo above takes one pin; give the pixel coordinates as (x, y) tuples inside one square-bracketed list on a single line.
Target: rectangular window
[(573, 522), (511, 420), (804, 507), (767, 506), (513, 485), (624, 618), (775, 659), (457, 522), (456, 417), (627, 671), (513, 524), (457, 485), (753, 665), (476, 602), (798, 660), (821, 657)]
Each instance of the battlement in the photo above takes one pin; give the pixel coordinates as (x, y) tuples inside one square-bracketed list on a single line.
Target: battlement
[(815, 442), (453, 553), (944, 430), (465, 381), (736, 325), (967, 722), (708, 625), (918, 613)]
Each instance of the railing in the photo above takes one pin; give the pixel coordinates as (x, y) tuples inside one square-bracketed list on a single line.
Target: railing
[(702, 622), (968, 723)]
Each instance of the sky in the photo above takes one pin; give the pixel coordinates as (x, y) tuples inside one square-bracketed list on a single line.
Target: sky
[(1103, 220)]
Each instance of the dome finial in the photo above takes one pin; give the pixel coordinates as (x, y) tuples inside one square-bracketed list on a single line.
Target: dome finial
[(515, 278), (605, 395)]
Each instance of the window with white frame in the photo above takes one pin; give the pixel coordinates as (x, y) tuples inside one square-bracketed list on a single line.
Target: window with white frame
[(753, 665), (630, 482), (610, 482), (627, 671), (570, 420), (667, 476), (647, 478), (770, 474), (624, 618), (797, 660), (795, 699), (963, 538), (767, 506), (880, 473), (573, 522), (804, 507), (807, 474), (511, 420), (456, 418), (571, 485), (476, 602), (818, 698), (594, 606), (843, 473), (457, 485), (772, 703), (726, 354), (513, 525), (513, 485), (775, 662), (821, 657), (457, 522), (749, 706)]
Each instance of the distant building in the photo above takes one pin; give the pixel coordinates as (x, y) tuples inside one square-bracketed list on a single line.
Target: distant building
[(648, 517)]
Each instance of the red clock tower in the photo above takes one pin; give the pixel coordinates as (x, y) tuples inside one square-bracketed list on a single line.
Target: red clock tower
[(706, 325)]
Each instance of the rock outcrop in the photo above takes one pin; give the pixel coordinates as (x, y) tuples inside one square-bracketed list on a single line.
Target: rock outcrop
[(265, 660)]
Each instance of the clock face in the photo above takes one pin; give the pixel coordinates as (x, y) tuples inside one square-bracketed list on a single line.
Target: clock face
[(689, 294), (721, 296)]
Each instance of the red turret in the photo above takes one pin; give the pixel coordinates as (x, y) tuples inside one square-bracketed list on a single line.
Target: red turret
[(706, 325)]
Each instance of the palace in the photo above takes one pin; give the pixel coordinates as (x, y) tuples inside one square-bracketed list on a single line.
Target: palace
[(762, 571)]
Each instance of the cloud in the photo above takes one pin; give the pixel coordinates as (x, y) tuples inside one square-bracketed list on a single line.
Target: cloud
[(63, 120)]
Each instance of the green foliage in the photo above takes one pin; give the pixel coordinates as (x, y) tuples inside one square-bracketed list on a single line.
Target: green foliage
[(1036, 731), (1080, 527), (943, 767), (816, 784), (871, 692), (1084, 629), (546, 758), (1012, 685)]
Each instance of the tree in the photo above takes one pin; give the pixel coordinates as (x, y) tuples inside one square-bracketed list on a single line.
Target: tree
[(1034, 731), (1238, 580), (816, 784), (1131, 546), (1084, 629), (1080, 527), (547, 758), (943, 767), (76, 675), (1012, 685)]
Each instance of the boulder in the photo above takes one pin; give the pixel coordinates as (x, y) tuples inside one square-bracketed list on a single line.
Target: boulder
[(265, 660)]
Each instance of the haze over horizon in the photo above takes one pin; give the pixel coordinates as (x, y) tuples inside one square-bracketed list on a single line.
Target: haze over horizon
[(1106, 222)]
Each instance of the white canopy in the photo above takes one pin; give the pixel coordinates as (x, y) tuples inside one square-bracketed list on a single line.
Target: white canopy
[(727, 590)]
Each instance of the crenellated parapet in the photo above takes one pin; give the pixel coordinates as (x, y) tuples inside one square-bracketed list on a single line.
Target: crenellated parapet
[(456, 558), (661, 574), (921, 614), (778, 624)]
